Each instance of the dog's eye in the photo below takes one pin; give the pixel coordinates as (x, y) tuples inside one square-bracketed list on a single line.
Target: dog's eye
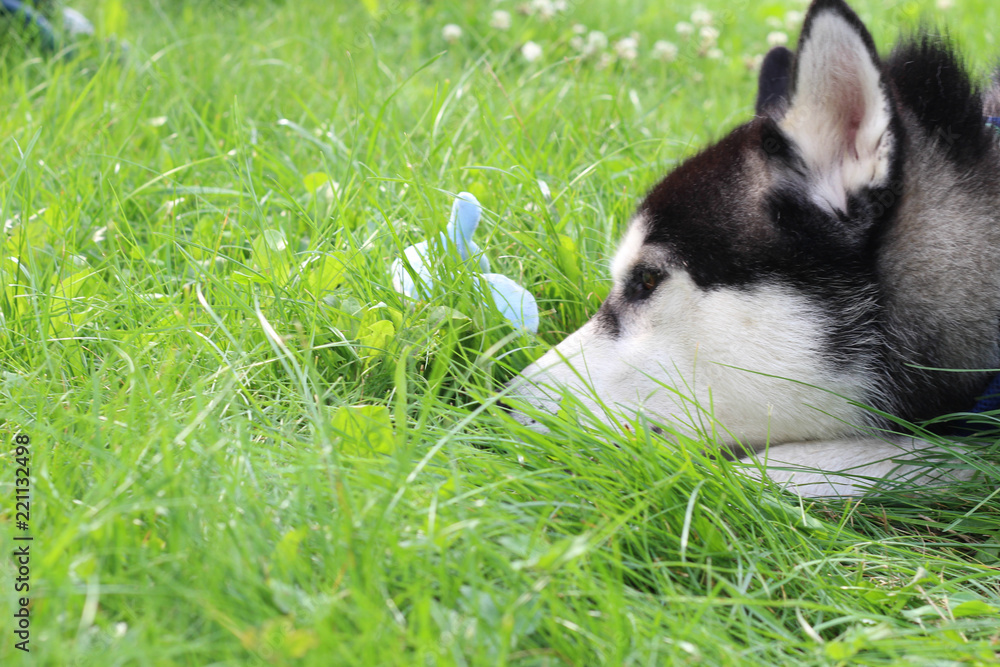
[(643, 282)]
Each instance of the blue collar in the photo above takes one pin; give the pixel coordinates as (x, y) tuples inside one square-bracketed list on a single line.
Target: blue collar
[(993, 121)]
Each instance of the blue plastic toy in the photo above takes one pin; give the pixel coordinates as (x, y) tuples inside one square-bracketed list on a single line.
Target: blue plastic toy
[(414, 274)]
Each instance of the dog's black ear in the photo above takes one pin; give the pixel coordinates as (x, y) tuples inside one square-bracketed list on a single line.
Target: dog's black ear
[(840, 115), (774, 81), (991, 100)]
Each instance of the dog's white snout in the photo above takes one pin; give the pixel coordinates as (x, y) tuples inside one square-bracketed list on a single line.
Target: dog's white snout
[(527, 392), (566, 368)]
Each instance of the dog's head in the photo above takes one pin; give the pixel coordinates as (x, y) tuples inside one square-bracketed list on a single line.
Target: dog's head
[(744, 281)]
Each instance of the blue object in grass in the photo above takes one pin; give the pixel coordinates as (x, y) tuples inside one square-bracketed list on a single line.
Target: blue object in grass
[(32, 14), (414, 274), (415, 278), (513, 301), (465, 215), (31, 17)]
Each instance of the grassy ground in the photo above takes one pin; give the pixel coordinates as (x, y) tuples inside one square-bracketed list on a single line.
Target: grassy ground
[(247, 449)]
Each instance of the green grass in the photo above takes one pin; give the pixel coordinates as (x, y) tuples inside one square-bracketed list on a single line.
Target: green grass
[(249, 454)]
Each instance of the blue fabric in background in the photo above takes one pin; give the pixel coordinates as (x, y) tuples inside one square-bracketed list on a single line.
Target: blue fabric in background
[(990, 400), (971, 427)]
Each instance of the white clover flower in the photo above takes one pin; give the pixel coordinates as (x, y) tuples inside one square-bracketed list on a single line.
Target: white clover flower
[(754, 62), (684, 29), (606, 60), (500, 20), (579, 29), (773, 22), (168, 206), (451, 33), (777, 38), (709, 36), (714, 54), (793, 19), (560, 5), (531, 51), (627, 48), (701, 17), (577, 43), (544, 8), (597, 41), (328, 191), (665, 51), (945, 4)]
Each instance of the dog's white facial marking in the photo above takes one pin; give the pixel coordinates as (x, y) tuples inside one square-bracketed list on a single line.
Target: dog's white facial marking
[(629, 249), (748, 358)]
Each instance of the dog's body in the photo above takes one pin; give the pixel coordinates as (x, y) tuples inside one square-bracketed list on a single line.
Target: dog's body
[(829, 254)]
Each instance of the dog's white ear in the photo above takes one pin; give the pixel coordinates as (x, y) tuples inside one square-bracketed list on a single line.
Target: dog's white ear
[(840, 115)]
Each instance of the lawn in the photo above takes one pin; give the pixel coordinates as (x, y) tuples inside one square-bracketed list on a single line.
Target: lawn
[(247, 448)]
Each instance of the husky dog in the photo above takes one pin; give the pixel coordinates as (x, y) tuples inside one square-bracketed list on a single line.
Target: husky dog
[(840, 250)]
